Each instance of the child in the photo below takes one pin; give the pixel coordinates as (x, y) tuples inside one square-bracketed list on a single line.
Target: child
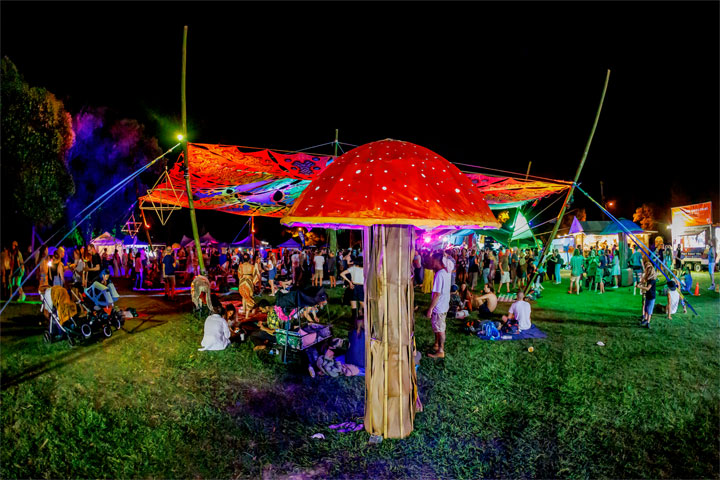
[(673, 299)]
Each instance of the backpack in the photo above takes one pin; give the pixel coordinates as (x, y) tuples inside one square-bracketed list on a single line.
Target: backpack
[(489, 331), (511, 327)]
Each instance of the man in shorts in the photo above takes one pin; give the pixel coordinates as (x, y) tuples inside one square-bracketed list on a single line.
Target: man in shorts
[(576, 270), (319, 261), (440, 304)]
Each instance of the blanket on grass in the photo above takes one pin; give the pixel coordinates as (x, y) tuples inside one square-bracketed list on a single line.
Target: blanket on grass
[(532, 332)]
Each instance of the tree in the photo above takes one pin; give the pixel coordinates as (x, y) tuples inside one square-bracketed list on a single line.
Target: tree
[(36, 136), (107, 149), (645, 217)]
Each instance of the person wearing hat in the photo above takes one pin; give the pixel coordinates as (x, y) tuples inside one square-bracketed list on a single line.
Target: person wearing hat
[(673, 298)]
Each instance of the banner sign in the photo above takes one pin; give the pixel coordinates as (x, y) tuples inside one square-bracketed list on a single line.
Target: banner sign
[(692, 215)]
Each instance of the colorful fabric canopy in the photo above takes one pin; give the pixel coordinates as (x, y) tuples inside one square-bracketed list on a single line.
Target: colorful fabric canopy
[(267, 183), (228, 179), (510, 192), (391, 182)]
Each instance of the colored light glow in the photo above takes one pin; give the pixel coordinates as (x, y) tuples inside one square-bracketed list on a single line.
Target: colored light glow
[(427, 238), (180, 137)]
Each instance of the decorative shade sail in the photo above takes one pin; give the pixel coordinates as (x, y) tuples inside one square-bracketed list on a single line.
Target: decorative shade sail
[(511, 192), (391, 182), (267, 183), (225, 178)]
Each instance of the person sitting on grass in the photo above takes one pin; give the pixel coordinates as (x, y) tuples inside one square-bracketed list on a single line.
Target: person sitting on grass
[(466, 296), (486, 303), (266, 335), (456, 304), (216, 333), (520, 311), (673, 299)]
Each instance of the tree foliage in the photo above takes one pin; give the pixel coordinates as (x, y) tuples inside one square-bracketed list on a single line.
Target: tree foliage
[(36, 135), (107, 149), (645, 217)]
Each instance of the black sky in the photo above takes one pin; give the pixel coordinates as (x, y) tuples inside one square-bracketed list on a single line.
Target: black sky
[(494, 84)]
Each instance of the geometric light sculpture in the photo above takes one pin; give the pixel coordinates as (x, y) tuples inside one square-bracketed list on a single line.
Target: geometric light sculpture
[(166, 189)]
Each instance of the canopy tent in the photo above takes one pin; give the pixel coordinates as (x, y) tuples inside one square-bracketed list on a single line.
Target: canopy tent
[(246, 242), (186, 241), (134, 242), (290, 243), (232, 180), (105, 241), (207, 239)]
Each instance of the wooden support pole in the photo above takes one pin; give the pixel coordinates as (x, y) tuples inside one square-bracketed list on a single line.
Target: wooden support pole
[(188, 188), (572, 188)]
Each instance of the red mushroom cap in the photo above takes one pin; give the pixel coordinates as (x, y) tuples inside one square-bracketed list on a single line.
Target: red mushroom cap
[(391, 182)]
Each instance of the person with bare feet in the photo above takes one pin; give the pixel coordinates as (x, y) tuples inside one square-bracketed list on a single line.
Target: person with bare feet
[(439, 304)]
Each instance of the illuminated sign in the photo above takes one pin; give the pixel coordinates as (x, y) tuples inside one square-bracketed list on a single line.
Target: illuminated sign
[(692, 215)]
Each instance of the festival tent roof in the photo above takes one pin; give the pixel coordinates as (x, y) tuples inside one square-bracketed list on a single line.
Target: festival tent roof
[(206, 239), (186, 241), (106, 239), (244, 243), (613, 228), (130, 241), (290, 243)]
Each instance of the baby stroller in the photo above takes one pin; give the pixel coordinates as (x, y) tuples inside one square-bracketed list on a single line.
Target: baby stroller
[(100, 317), (72, 330)]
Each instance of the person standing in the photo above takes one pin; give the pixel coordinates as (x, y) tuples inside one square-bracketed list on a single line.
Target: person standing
[(356, 283), (558, 262), (636, 265), (44, 269), (615, 272), (648, 286), (332, 269), (17, 270), (711, 265), (678, 260), (576, 270), (272, 272), (439, 305), (427, 274), (473, 269), (505, 271), (138, 271), (78, 267), (319, 261), (168, 270), (417, 269)]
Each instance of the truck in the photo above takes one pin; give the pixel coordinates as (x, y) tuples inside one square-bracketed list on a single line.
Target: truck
[(693, 230)]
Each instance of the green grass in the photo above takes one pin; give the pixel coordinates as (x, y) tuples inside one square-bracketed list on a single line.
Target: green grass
[(149, 404)]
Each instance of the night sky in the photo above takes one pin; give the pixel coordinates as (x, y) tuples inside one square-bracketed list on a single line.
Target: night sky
[(492, 84)]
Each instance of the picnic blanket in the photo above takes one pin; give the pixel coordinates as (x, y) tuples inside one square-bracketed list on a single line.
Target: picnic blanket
[(532, 332)]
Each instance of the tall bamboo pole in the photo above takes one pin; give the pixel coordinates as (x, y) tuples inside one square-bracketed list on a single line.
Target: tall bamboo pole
[(191, 204), (572, 188)]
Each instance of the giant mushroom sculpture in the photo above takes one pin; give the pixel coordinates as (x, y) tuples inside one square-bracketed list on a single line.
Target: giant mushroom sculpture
[(387, 188)]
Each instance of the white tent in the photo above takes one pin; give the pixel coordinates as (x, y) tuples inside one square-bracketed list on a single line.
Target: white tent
[(106, 240)]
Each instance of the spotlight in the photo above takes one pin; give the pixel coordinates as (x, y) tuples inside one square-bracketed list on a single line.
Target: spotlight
[(180, 137)]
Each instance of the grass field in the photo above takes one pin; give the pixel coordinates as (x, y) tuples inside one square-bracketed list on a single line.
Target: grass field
[(148, 404)]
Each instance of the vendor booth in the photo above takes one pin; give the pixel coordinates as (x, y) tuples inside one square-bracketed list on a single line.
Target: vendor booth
[(106, 241)]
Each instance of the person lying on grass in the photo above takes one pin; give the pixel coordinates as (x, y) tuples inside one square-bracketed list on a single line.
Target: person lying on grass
[(520, 311), (486, 303)]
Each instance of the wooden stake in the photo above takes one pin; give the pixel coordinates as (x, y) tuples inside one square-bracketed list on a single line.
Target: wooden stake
[(572, 188), (191, 204)]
